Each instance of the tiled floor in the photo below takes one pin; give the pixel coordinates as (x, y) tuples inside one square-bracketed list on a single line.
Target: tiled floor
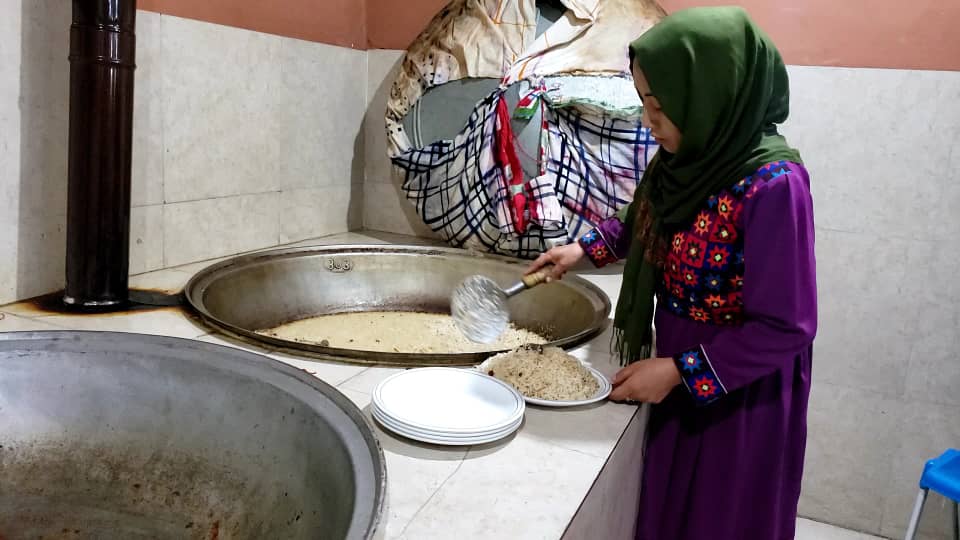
[(356, 382), (811, 530)]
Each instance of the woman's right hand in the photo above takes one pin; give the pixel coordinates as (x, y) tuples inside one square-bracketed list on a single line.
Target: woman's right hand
[(563, 258)]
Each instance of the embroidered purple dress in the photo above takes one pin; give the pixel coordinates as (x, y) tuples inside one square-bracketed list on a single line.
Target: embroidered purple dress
[(737, 311)]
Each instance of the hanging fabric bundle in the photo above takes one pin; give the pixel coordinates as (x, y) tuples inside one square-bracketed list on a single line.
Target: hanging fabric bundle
[(509, 163), (470, 189)]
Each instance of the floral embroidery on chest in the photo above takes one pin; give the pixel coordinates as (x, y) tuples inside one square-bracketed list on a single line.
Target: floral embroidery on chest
[(703, 273)]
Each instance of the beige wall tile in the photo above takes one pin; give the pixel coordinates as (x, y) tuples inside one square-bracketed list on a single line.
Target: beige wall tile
[(147, 170), (146, 239), (200, 230), (220, 126), (316, 212)]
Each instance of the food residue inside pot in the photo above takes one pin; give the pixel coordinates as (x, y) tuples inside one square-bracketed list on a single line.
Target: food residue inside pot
[(395, 331)]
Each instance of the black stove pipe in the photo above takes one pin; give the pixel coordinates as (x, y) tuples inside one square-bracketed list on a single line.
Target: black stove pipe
[(102, 63)]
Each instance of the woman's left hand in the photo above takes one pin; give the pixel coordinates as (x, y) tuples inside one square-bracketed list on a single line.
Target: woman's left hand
[(646, 381)]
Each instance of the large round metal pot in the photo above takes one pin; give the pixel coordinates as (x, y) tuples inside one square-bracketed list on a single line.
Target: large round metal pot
[(270, 288), (106, 435)]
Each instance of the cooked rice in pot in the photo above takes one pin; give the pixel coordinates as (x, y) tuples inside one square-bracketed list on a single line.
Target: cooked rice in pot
[(547, 373)]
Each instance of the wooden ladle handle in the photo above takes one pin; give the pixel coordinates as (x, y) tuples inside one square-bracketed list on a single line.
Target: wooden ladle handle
[(543, 275)]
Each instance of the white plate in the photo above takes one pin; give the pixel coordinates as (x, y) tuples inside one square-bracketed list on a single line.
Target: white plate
[(449, 400), (448, 440), (602, 393), (393, 423)]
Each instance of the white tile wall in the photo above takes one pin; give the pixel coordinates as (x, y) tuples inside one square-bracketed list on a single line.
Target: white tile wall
[(208, 228), (874, 142), (261, 133), (219, 122), (314, 212), (146, 238), (242, 140), (36, 238), (321, 105), (852, 441), (147, 172), (881, 148), (924, 430), (385, 207), (382, 66), (10, 52), (856, 274)]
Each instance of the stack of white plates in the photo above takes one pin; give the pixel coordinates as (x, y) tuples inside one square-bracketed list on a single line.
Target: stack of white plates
[(448, 406)]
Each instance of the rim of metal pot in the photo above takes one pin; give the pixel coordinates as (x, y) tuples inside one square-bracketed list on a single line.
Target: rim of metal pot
[(364, 425), (196, 288)]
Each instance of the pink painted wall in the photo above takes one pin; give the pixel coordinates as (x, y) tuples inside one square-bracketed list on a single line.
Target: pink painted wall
[(393, 25), (337, 22), (921, 34)]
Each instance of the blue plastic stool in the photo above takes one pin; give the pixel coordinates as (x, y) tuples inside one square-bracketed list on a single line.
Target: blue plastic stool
[(943, 476)]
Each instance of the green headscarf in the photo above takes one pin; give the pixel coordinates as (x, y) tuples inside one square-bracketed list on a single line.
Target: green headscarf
[(721, 80)]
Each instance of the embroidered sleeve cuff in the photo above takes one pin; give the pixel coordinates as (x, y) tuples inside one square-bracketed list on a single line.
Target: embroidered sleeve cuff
[(699, 376), (597, 249)]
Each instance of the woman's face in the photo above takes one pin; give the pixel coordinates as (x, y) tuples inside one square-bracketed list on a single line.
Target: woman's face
[(662, 129)]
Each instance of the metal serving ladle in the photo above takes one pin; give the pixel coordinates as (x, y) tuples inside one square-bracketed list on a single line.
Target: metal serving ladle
[(479, 305)]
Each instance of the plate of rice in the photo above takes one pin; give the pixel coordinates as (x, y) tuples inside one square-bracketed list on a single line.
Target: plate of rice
[(548, 376)]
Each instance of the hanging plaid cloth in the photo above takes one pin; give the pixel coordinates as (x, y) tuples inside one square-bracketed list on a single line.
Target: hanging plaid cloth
[(471, 190), (592, 165)]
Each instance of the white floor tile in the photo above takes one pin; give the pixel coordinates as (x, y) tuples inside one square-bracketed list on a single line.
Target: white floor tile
[(163, 322), (169, 281), (27, 310), (812, 530), (367, 380), (12, 323), (332, 373)]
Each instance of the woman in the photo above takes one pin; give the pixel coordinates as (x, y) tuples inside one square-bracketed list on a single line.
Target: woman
[(721, 233)]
